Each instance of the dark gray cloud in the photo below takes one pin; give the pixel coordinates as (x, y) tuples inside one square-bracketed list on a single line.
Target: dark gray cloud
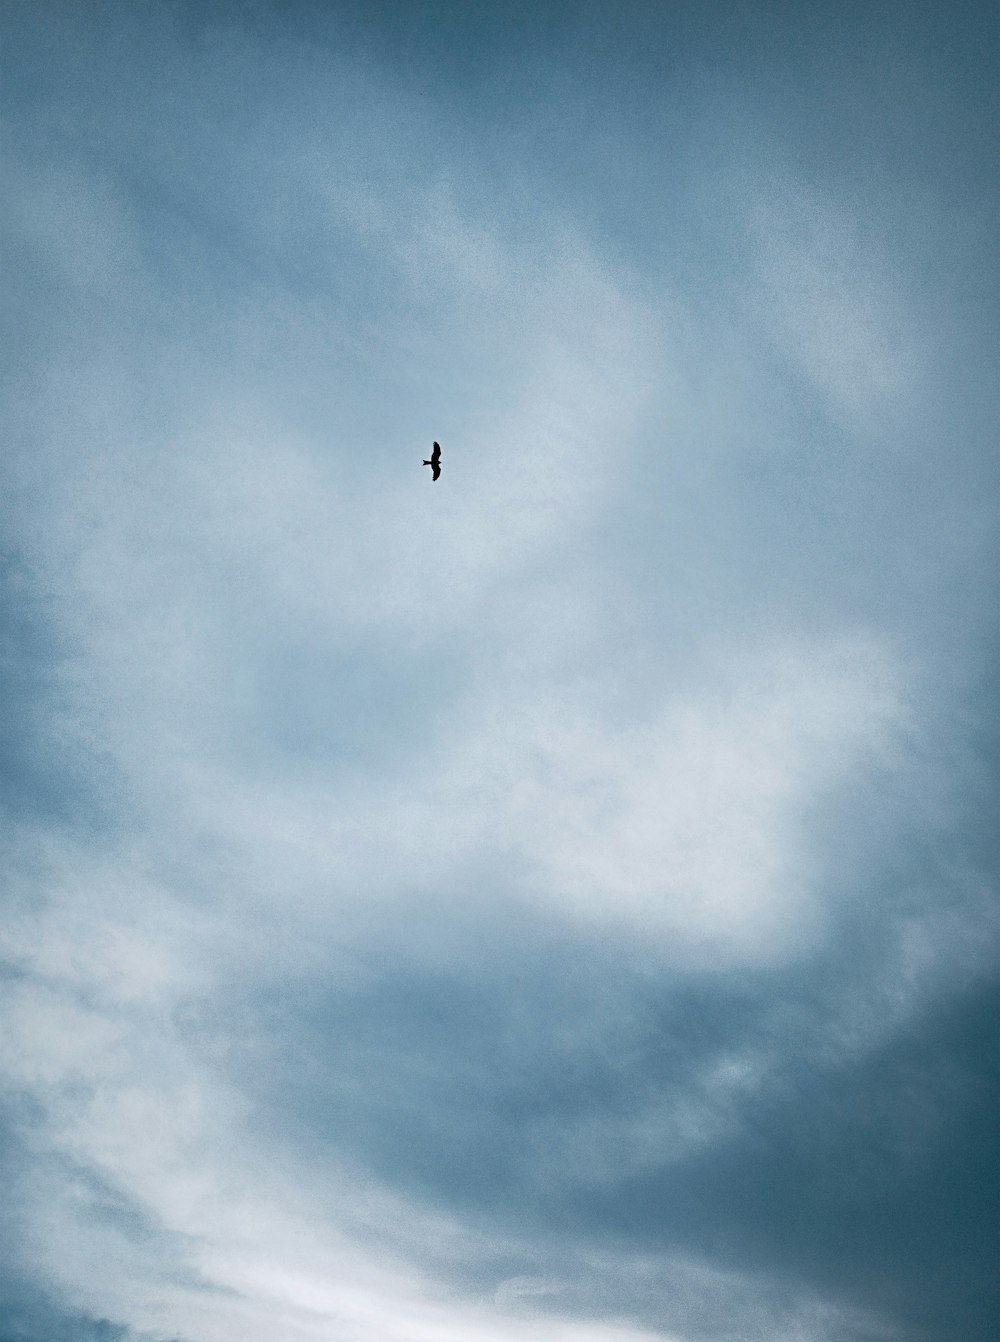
[(576, 1101), (36, 1320)]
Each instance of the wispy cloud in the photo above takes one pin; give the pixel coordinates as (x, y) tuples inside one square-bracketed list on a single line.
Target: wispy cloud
[(548, 904)]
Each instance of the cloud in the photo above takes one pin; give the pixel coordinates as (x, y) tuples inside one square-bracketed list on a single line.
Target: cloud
[(831, 302), (548, 905)]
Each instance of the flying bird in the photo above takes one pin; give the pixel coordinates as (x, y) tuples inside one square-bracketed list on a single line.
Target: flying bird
[(435, 462)]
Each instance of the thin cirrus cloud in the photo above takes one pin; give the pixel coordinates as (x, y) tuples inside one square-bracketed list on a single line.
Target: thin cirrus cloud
[(554, 904)]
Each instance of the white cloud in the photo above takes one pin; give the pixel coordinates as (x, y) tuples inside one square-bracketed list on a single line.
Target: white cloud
[(183, 544), (224, 1248), (176, 560), (823, 291), (693, 826)]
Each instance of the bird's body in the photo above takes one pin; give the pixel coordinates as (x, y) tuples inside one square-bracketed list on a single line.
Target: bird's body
[(435, 461)]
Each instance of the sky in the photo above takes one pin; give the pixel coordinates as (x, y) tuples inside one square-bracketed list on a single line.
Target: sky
[(556, 903)]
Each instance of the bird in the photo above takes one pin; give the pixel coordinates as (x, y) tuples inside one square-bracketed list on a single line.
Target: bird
[(435, 462)]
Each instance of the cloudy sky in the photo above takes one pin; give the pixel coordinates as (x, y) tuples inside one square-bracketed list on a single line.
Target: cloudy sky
[(554, 904)]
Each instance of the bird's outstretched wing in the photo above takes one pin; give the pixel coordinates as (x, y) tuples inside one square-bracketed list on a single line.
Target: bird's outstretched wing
[(436, 458), (435, 470)]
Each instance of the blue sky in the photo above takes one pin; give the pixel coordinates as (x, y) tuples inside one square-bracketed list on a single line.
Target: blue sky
[(557, 902)]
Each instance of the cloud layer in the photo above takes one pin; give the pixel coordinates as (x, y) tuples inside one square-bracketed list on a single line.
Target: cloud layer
[(552, 904)]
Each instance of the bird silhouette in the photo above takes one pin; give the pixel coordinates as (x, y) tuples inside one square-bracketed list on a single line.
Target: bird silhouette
[(435, 462)]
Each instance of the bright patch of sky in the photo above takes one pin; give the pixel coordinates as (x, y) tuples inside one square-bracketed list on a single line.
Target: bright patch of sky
[(556, 902)]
